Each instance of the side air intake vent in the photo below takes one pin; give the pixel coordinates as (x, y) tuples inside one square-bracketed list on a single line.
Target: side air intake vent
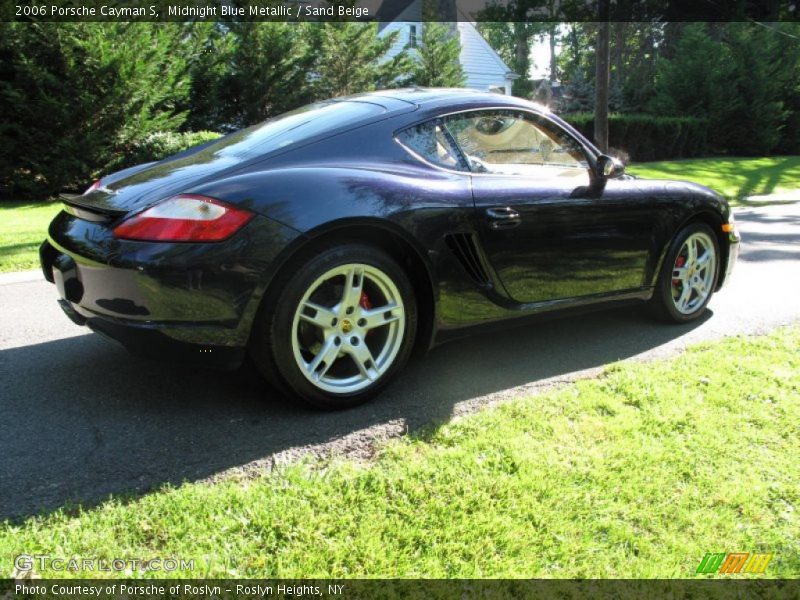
[(463, 246)]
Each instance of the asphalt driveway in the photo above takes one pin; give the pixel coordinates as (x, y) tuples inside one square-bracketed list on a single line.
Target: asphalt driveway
[(81, 419)]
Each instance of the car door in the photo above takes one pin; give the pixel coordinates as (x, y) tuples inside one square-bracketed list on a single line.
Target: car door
[(548, 232)]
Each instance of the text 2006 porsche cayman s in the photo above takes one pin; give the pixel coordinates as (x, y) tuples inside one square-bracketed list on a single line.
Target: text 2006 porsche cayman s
[(332, 241)]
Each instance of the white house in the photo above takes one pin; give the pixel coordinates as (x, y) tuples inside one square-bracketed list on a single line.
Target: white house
[(483, 67)]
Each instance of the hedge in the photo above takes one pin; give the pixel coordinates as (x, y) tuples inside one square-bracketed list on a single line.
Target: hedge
[(643, 137), (17, 183), (160, 145)]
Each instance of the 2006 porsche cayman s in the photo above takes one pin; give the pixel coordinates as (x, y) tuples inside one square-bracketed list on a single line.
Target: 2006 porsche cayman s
[(331, 241)]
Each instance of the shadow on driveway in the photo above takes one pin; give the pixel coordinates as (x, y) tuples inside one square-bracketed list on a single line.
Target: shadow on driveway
[(769, 236), (83, 419)]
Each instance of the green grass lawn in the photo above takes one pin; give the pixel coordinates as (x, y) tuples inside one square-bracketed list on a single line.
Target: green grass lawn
[(637, 473), (735, 178), (23, 227)]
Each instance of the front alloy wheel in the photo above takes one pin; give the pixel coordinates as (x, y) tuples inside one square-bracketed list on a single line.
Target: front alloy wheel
[(693, 273), (688, 275)]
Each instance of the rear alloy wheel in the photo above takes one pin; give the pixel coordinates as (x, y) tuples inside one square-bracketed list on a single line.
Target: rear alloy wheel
[(689, 275), (343, 326), (348, 328)]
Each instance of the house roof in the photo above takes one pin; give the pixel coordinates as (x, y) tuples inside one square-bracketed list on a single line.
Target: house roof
[(467, 28), (469, 37)]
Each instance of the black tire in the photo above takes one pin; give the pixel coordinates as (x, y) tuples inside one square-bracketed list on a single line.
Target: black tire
[(662, 305), (274, 330)]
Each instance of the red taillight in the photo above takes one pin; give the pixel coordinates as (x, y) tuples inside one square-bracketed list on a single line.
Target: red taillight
[(184, 218), (93, 187)]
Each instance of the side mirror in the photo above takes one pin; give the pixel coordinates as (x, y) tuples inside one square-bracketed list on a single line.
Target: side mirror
[(609, 167)]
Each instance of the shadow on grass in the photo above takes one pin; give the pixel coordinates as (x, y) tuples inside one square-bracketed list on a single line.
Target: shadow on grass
[(11, 249), (764, 179), (737, 178), (17, 257)]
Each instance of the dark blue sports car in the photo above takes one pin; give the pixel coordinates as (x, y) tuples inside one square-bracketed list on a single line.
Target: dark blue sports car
[(332, 241)]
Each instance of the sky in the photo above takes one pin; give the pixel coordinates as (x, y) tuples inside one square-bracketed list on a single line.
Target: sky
[(540, 57)]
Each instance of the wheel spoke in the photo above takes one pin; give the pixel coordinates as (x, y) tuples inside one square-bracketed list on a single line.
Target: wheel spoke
[(700, 287), (681, 273), (327, 355), (362, 357), (704, 260), (377, 317), (683, 300), (321, 316), (353, 284), (691, 252)]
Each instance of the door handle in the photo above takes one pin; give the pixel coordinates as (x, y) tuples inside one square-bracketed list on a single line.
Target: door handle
[(503, 218)]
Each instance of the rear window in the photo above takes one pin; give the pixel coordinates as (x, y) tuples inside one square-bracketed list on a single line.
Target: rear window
[(430, 141), (296, 126)]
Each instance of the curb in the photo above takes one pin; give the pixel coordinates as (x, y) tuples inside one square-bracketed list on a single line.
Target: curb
[(778, 197), (21, 277)]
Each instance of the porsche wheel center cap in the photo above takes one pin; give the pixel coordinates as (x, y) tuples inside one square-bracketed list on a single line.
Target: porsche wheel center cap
[(346, 326)]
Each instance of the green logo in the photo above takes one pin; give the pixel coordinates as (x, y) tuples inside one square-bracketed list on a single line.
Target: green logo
[(733, 562)]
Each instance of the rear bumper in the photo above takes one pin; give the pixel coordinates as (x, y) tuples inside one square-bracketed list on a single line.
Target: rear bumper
[(191, 303), (155, 341)]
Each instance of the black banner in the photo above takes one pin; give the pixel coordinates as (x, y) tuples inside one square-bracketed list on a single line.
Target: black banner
[(402, 10), (379, 589)]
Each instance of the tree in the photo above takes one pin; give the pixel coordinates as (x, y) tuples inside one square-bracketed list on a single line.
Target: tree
[(438, 57), (509, 31), (601, 81), (735, 75), (552, 38), (789, 78), (635, 50), (268, 72), (756, 120), (75, 96), (694, 80), (210, 63), (577, 93), (500, 37), (352, 58), (576, 66)]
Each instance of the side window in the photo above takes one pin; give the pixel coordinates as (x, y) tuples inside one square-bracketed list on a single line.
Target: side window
[(412, 36), (510, 143), (432, 143)]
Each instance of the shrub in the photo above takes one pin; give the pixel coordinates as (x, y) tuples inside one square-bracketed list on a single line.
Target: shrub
[(74, 96), (160, 145), (739, 77), (649, 137)]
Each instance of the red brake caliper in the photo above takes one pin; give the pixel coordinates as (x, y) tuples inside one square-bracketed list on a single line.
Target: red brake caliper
[(364, 301), (365, 304), (679, 262)]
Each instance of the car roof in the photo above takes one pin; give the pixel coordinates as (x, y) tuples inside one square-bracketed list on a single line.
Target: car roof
[(435, 97)]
